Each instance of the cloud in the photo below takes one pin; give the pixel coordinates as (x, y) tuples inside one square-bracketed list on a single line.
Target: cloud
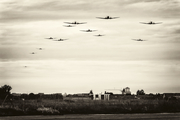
[(155, 9), (48, 10), (19, 11), (119, 74), (25, 24)]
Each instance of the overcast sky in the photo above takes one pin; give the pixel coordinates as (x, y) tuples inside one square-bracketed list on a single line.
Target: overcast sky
[(84, 61)]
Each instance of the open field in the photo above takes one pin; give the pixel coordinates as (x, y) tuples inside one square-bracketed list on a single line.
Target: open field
[(155, 116), (60, 107)]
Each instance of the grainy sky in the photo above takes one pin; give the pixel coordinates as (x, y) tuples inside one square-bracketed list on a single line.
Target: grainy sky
[(84, 61)]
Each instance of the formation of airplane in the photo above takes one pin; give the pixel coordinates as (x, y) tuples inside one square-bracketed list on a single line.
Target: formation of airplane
[(60, 40), (138, 40), (34, 52), (75, 22), (151, 22), (88, 30), (107, 17), (99, 35)]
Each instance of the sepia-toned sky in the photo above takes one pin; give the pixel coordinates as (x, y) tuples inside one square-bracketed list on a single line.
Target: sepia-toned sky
[(85, 62)]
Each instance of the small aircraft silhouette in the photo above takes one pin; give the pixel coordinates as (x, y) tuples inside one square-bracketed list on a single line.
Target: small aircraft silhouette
[(151, 23), (49, 38), (33, 53), (60, 40), (68, 26), (99, 35), (88, 30), (138, 40), (107, 17), (39, 48), (75, 22)]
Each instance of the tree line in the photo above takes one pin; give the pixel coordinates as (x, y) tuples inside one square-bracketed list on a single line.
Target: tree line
[(5, 93)]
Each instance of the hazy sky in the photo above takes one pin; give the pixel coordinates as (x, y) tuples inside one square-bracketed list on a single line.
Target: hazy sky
[(84, 61)]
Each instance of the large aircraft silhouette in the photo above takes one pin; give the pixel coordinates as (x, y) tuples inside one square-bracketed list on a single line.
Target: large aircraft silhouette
[(75, 22), (151, 23), (107, 17)]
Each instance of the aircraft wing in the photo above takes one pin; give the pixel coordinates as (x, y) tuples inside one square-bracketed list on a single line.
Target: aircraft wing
[(68, 26), (93, 30), (144, 23), (68, 22), (84, 30), (101, 17), (158, 23), (82, 23), (114, 17)]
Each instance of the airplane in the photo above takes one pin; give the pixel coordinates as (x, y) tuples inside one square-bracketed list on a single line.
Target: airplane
[(150, 23), (39, 48), (88, 30), (60, 40), (75, 22), (68, 26), (107, 17), (99, 35), (33, 53), (49, 38), (138, 40)]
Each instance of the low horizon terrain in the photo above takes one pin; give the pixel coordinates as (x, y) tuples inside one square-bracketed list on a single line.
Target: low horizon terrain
[(41, 53)]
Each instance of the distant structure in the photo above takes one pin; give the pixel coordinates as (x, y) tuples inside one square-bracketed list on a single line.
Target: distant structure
[(16, 94), (171, 96), (75, 97), (65, 94), (101, 96), (126, 91)]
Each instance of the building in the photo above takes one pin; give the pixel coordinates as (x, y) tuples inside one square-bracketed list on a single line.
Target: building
[(101, 96), (126, 91), (78, 96)]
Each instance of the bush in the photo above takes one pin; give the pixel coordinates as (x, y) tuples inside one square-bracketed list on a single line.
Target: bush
[(54, 107), (10, 111), (45, 110)]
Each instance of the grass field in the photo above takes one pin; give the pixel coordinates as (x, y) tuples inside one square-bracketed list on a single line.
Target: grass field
[(59, 107), (159, 116)]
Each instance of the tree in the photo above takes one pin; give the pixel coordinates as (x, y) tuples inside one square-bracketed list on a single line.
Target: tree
[(91, 92), (32, 96), (140, 92), (5, 91)]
